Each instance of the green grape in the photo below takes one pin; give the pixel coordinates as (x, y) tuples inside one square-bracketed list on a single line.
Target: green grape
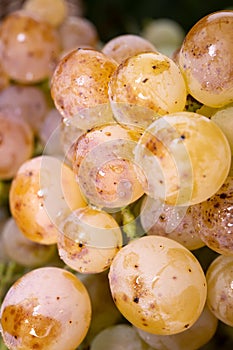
[(88, 240), (29, 47), (103, 162), (47, 308), (224, 119), (147, 81), (201, 332), (213, 219), (175, 222), (179, 154), (121, 336), (158, 285), (123, 46), (219, 278), (205, 59)]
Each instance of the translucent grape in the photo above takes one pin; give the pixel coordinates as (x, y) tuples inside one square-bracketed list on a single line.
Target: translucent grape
[(219, 281), (175, 222), (224, 119), (123, 46), (29, 47), (148, 80), (80, 81), (205, 59), (24, 102), (43, 190), (180, 153), (104, 155), (16, 145), (158, 285), (22, 250), (54, 11), (88, 240), (78, 31), (120, 336), (47, 308), (213, 219), (201, 332)]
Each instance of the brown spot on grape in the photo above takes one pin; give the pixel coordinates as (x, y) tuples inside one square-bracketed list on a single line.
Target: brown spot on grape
[(136, 300)]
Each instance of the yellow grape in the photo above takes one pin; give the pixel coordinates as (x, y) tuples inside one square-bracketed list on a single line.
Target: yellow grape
[(80, 81), (16, 145), (179, 154), (123, 46), (43, 189), (53, 11), (145, 86), (158, 285), (88, 240), (47, 308), (219, 278), (205, 59), (103, 162), (29, 47), (223, 117)]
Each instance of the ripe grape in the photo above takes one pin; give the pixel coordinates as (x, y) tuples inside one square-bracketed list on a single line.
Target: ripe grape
[(145, 86), (54, 11), (123, 46), (205, 59), (43, 190), (22, 250), (180, 153), (201, 332), (24, 102), (158, 285), (29, 47), (47, 308), (16, 145), (223, 118), (175, 222), (88, 240), (213, 219), (78, 32), (219, 280), (104, 166), (120, 336), (80, 81)]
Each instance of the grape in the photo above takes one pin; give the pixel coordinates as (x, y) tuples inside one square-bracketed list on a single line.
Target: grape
[(104, 156), (80, 81), (22, 250), (43, 190), (205, 59), (121, 336), (88, 240), (16, 145), (69, 133), (213, 219), (166, 34), (24, 102), (148, 80), (54, 11), (224, 119), (29, 47), (47, 308), (158, 285), (175, 222), (78, 31), (180, 153), (123, 46), (219, 281), (201, 332)]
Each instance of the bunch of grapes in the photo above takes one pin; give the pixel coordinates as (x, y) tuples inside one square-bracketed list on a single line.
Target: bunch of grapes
[(116, 184)]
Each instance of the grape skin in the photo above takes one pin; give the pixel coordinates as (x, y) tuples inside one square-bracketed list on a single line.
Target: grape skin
[(47, 308), (158, 285)]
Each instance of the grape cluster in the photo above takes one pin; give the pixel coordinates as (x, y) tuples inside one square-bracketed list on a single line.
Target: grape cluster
[(115, 174)]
